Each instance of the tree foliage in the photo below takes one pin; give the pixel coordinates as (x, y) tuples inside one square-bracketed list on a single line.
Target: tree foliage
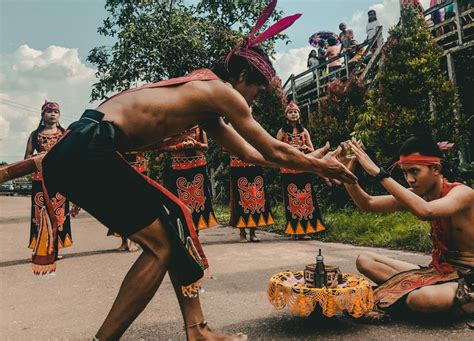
[(340, 110), (413, 96), (156, 40)]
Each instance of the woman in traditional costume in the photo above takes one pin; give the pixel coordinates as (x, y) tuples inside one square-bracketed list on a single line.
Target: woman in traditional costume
[(189, 179), (249, 203), (301, 207), (41, 140)]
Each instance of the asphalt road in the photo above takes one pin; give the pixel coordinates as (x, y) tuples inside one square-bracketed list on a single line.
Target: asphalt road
[(73, 304)]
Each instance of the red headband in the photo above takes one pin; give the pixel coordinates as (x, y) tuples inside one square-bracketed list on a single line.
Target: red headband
[(49, 105), (292, 106), (243, 50), (416, 159)]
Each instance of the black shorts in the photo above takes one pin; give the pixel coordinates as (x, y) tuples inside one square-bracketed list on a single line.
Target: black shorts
[(86, 168)]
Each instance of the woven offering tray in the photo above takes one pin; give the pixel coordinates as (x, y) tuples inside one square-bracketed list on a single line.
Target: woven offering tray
[(354, 295)]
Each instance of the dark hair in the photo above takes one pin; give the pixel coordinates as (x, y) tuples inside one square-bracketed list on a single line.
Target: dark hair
[(372, 11), (424, 145), (332, 41), (288, 128), (237, 64)]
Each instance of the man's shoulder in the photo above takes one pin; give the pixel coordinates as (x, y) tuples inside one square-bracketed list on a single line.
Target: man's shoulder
[(460, 189)]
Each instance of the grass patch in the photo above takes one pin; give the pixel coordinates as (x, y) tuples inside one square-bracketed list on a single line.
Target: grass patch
[(399, 230)]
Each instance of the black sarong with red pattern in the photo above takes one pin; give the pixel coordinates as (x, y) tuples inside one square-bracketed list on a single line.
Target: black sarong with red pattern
[(249, 203), (301, 206), (43, 143), (190, 182), (117, 195)]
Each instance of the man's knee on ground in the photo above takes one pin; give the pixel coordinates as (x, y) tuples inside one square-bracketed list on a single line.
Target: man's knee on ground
[(364, 262), (425, 301)]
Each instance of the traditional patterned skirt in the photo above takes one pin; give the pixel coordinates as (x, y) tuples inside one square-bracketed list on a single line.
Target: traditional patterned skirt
[(190, 183), (61, 211), (249, 204), (301, 206), (401, 284)]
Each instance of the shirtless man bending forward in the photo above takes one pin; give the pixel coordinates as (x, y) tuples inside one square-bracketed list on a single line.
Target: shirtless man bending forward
[(139, 209)]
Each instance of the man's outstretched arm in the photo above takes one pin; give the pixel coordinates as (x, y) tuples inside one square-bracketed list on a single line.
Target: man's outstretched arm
[(458, 199), (364, 201), (225, 136), (369, 203), (231, 103)]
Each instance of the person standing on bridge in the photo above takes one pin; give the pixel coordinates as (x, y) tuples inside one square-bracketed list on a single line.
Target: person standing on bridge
[(372, 27)]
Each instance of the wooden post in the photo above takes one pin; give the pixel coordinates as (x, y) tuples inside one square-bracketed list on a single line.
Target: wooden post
[(451, 69), (213, 182), (346, 62), (318, 89), (457, 114), (293, 87), (458, 22)]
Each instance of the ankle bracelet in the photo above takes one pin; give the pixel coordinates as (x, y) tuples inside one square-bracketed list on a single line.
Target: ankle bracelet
[(203, 323)]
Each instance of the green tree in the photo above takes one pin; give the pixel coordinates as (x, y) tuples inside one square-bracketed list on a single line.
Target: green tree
[(344, 103), (413, 94), (340, 110), (156, 40)]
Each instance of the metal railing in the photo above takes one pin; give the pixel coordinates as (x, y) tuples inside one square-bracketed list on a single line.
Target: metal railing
[(309, 86), (452, 32)]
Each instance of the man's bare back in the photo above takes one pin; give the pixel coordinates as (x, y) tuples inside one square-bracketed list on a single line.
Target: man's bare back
[(148, 116)]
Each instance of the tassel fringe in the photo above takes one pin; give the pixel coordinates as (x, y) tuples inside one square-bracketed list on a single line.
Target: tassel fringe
[(192, 290), (44, 270)]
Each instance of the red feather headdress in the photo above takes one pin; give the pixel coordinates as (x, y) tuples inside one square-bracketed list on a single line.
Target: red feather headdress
[(243, 49)]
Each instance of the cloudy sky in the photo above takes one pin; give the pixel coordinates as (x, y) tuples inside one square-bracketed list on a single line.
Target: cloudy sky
[(44, 44)]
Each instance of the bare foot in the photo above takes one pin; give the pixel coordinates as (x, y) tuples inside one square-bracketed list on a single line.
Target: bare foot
[(123, 247), (254, 239), (243, 239), (243, 236), (132, 246), (202, 332), (306, 237)]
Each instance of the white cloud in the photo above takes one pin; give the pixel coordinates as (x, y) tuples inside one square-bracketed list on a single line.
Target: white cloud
[(291, 62), (30, 76)]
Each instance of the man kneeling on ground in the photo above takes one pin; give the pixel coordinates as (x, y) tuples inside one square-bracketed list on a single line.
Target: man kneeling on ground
[(445, 285)]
